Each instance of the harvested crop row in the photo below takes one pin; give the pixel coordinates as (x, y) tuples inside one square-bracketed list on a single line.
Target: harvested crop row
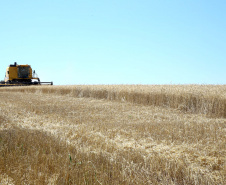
[(202, 99)]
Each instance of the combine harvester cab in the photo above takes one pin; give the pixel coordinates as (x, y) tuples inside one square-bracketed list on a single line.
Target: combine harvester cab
[(21, 75)]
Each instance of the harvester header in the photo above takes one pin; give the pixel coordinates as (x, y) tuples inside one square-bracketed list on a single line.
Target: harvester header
[(21, 75)]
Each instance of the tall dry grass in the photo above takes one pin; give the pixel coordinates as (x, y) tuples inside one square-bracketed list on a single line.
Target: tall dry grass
[(33, 157), (54, 137)]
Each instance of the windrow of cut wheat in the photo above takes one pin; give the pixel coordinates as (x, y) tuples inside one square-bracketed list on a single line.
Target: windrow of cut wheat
[(202, 99)]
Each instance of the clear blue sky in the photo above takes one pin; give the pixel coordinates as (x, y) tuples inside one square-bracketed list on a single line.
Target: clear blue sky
[(117, 41)]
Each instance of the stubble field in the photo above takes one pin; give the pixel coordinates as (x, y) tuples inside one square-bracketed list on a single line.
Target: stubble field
[(113, 134)]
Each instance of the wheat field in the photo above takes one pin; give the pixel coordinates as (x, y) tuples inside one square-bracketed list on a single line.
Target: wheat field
[(113, 134)]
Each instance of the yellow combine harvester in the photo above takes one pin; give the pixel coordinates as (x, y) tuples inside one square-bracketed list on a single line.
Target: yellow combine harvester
[(21, 75)]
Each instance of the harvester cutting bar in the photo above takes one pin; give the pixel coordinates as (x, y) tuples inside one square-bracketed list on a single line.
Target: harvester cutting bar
[(46, 83), (12, 85), (24, 84)]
